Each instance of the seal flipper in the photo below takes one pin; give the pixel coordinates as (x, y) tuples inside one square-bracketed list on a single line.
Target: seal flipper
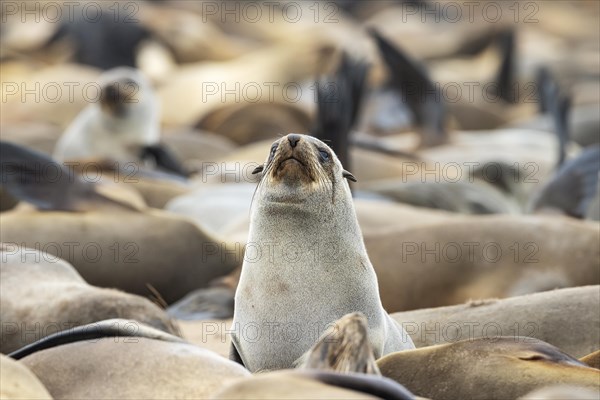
[(35, 178), (164, 159), (554, 101), (345, 348), (505, 77), (375, 385), (560, 114), (545, 87), (423, 97), (573, 187), (116, 327), (338, 104)]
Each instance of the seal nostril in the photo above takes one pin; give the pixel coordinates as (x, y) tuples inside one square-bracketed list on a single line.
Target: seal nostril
[(294, 139)]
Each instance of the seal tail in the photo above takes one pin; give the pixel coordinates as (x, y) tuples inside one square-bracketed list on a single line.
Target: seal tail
[(339, 98), (422, 96), (103, 329)]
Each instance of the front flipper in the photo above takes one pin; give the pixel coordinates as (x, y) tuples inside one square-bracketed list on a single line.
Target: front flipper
[(164, 159)]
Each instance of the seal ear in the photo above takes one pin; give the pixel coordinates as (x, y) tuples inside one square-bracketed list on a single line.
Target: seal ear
[(258, 169), (348, 176)]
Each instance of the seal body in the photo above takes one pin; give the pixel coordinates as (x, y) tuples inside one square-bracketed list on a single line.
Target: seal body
[(125, 119), (508, 367), (305, 264), (135, 366)]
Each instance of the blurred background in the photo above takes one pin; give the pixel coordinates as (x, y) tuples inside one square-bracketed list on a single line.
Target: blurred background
[(246, 70), (480, 107)]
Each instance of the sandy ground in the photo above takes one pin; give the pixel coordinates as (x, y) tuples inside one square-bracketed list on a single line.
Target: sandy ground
[(209, 334)]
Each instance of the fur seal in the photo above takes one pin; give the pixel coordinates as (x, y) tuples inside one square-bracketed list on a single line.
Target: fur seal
[(543, 316), (125, 119), (123, 126), (137, 363), (477, 197), (122, 250), (303, 200), (41, 294), (505, 367), (478, 257)]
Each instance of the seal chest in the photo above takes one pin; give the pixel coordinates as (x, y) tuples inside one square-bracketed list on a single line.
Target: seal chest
[(305, 264)]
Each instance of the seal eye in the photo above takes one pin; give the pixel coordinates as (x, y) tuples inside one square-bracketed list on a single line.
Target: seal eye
[(324, 155), (273, 150)]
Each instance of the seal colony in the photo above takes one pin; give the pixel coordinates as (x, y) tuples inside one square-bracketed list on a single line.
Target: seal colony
[(303, 202), (126, 209)]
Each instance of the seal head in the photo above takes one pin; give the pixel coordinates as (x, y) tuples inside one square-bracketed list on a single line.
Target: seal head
[(300, 168)]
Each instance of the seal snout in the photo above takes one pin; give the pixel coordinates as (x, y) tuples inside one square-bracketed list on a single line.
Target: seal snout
[(293, 159), (293, 139)]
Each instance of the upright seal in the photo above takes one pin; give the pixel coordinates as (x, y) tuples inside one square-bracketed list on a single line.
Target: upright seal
[(305, 264)]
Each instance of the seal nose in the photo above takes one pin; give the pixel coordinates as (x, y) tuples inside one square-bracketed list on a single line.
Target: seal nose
[(294, 139)]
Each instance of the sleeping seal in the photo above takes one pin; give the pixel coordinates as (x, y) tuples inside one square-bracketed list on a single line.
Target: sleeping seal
[(486, 368), (124, 359), (41, 294)]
